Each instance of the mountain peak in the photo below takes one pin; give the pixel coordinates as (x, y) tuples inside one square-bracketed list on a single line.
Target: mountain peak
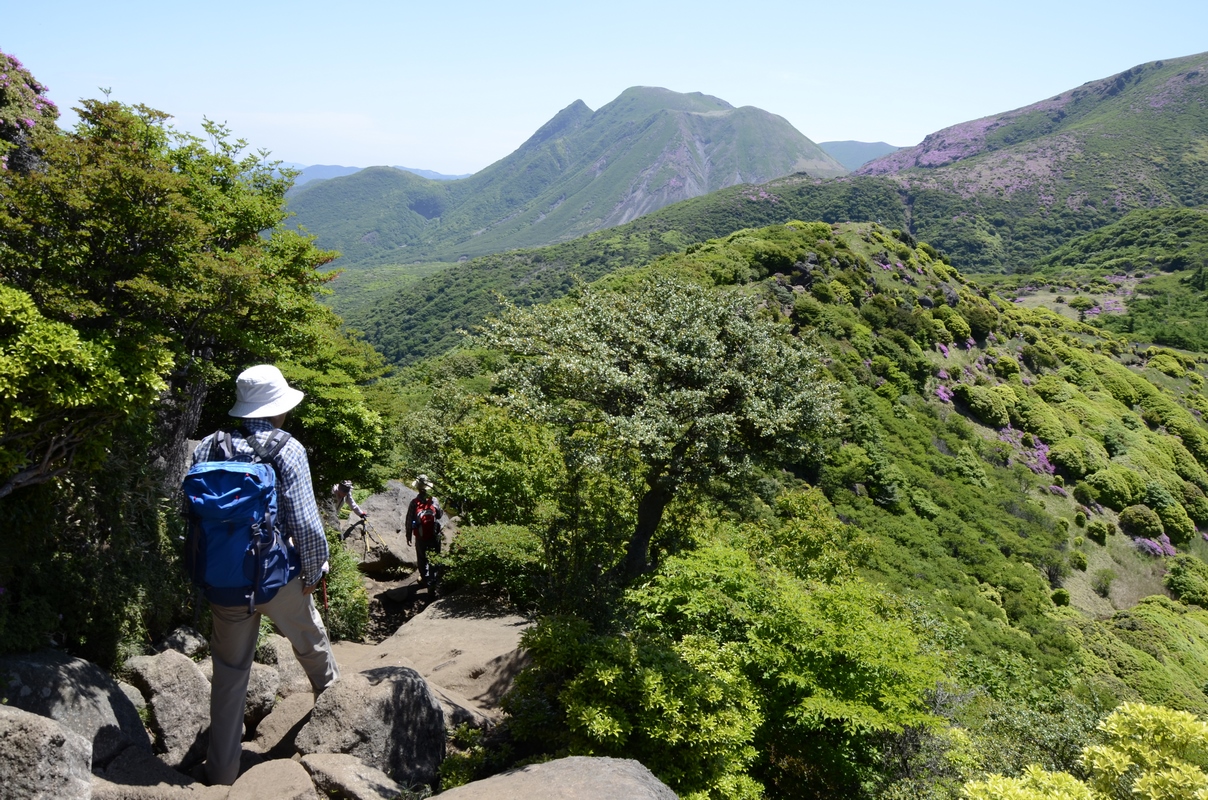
[(642, 101), (564, 122)]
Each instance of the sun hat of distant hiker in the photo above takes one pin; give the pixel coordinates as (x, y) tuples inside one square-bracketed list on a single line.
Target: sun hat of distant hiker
[(421, 481), (261, 391)]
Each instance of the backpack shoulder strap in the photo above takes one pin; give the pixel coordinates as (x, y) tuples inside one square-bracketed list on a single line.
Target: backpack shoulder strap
[(268, 451), (221, 446)]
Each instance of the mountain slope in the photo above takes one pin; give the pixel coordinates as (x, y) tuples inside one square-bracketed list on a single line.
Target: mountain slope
[(1006, 189), (582, 171), (854, 155)]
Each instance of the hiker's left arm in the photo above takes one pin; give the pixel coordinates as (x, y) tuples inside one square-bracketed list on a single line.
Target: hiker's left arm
[(300, 513)]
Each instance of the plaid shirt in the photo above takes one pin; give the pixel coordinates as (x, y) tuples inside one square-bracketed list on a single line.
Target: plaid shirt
[(296, 507)]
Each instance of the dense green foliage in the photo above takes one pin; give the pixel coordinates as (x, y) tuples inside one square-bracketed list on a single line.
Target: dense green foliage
[(139, 268), (965, 418), (695, 386), (1150, 753)]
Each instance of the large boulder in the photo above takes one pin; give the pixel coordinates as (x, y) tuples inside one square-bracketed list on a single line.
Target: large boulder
[(573, 778), (79, 695), (345, 776), (40, 758), (277, 652), (276, 733), (387, 717), (179, 697), (283, 779)]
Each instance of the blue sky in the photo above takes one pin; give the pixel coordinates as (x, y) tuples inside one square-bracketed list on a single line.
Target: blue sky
[(455, 86)]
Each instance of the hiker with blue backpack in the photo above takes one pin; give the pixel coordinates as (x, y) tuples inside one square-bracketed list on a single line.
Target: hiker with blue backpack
[(256, 546)]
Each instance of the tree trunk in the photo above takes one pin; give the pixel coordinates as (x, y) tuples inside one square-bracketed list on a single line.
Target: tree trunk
[(650, 514), (176, 419)]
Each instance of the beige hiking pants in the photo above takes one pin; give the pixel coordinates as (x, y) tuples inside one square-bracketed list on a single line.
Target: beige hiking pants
[(232, 648)]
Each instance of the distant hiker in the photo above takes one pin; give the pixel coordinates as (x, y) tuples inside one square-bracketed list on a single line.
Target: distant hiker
[(423, 525), (263, 398), (343, 494)]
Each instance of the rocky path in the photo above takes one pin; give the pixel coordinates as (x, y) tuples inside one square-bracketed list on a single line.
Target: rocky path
[(71, 731)]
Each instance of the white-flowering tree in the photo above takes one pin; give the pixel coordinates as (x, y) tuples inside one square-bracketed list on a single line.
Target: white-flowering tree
[(697, 382)]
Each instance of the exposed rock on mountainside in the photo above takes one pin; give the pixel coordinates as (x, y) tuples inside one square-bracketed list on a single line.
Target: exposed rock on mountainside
[(580, 172)]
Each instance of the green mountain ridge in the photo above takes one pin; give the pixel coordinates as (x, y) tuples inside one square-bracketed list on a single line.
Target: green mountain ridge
[(1002, 191), (853, 155), (580, 172)]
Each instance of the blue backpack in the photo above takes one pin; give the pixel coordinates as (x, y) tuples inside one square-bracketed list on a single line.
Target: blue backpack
[(234, 549)]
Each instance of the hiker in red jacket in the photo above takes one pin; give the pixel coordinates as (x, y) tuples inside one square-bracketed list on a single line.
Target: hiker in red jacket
[(423, 525)]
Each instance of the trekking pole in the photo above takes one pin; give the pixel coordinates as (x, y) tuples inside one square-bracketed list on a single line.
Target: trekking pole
[(324, 595)]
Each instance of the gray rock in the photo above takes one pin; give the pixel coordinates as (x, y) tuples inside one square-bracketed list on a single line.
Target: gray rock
[(261, 694), (283, 779), (387, 717), (78, 694), (136, 697), (179, 696), (574, 778), (40, 758), (186, 641), (276, 733), (278, 652), (348, 777)]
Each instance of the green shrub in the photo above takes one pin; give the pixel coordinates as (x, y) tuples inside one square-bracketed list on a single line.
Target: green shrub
[(1168, 365), (985, 404), (1177, 524), (1005, 367), (503, 560), (1080, 519), (1187, 579), (347, 615), (1061, 597), (1078, 560), (1101, 582), (1195, 503), (1085, 494), (1097, 532), (1141, 521), (1078, 456), (1063, 525), (685, 709), (1117, 485)]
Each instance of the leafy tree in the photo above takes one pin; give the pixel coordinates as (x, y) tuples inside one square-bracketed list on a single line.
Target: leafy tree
[(1151, 753), (699, 384), (148, 243)]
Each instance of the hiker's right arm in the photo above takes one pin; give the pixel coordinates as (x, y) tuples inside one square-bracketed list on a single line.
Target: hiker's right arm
[(300, 513)]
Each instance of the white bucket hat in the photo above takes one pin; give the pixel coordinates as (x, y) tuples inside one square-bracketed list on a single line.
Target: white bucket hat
[(261, 391), (422, 480)]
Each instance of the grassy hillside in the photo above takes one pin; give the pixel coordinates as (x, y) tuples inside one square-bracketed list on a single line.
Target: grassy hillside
[(582, 171), (416, 321), (1023, 484)]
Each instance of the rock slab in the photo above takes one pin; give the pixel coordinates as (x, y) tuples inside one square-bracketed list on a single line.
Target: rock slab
[(79, 695), (42, 758), (179, 696), (386, 717), (573, 778), (348, 777)]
